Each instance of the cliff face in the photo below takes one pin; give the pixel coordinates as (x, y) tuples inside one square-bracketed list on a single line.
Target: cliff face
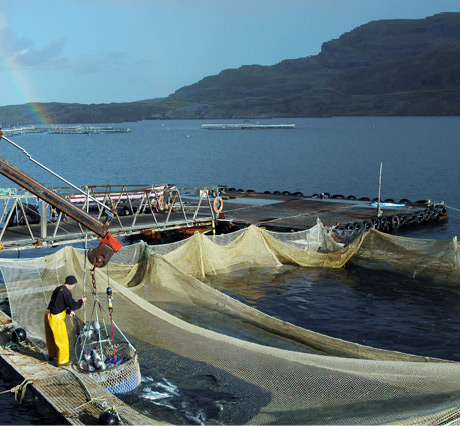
[(388, 67), (393, 67), (380, 42)]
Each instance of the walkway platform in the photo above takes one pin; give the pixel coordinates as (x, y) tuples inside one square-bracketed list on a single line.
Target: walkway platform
[(283, 212), (144, 211), (75, 396), (32, 223), (246, 126)]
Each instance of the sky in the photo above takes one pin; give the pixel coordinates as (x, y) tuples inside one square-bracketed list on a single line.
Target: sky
[(103, 51)]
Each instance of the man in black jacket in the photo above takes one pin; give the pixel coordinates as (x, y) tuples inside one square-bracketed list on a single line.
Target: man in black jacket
[(60, 305)]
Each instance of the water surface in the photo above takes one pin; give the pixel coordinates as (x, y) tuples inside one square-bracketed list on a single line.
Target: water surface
[(335, 155)]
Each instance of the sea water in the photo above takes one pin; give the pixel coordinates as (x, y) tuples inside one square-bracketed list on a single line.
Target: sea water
[(335, 155)]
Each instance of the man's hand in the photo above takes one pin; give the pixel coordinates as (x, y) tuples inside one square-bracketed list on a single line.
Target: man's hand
[(72, 314), (83, 298)]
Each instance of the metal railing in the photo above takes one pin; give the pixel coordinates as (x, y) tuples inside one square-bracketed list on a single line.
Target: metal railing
[(27, 221)]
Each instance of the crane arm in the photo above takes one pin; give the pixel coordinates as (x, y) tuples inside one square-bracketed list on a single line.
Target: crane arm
[(98, 256)]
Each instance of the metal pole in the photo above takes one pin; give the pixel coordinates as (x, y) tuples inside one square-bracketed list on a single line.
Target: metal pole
[(43, 220), (379, 212)]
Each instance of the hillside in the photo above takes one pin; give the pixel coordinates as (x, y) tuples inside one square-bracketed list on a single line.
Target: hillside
[(388, 67), (65, 113), (393, 67)]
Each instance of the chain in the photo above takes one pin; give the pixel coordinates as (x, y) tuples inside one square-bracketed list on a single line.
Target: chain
[(93, 279)]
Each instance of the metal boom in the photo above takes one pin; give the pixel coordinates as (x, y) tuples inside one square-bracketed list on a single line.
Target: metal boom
[(41, 191), (98, 256)]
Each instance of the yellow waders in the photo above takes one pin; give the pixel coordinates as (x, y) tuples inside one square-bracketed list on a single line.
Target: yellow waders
[(56, 336)]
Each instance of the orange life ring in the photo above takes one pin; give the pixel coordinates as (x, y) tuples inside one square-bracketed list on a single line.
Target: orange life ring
[(218, 201)]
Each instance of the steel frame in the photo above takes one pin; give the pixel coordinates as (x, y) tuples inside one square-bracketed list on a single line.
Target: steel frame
[(166, 207)]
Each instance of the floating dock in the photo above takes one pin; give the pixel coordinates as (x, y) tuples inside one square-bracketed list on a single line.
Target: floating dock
[(345, 216), (56, 129), (246, 126), (75, 396), (142, 210)]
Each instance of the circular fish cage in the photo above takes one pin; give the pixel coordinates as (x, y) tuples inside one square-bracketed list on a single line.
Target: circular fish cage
[(120, 375)]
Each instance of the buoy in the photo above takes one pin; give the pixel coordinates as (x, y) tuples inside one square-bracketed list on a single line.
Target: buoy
[(18, 335), (108, 417), (218, 205)]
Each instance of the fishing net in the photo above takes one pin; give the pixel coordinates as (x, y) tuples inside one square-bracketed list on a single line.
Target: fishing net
[(202, 337), (121, 378), (114, 366), (433, 260), (201, 255)]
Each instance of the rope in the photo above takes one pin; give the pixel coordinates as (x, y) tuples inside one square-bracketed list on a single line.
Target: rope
[(22, 387), (109, 301), (84, 274), (97, 399), (113, 341), (452, 208)]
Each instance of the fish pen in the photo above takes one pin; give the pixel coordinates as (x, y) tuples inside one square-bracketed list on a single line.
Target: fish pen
[(325, 380)]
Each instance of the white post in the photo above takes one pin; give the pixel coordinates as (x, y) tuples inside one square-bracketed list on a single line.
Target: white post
[(43, 220), (379, 212)]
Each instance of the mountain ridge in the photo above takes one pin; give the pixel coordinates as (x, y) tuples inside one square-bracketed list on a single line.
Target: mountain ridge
[(386, 67)]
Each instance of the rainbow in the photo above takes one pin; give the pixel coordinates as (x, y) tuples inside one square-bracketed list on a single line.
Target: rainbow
[(19, 83)]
